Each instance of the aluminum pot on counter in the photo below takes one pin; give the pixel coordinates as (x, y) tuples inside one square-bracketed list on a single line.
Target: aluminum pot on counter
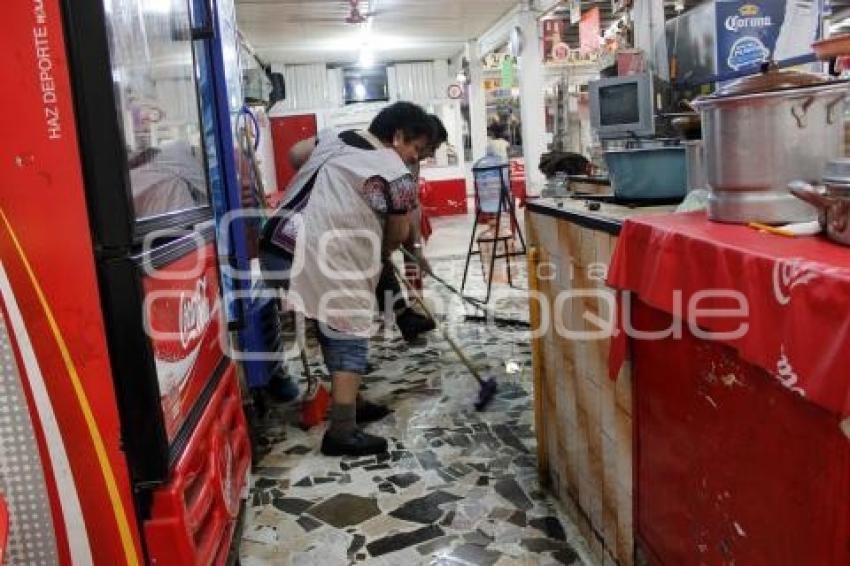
[(832, 199), (764, 131)]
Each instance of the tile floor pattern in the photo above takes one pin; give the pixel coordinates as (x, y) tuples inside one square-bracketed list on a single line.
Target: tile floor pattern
[(457, 487)]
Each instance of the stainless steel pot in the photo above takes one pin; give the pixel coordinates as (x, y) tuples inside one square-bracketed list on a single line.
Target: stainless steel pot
[(756, 143), (695, 159), (832, 199)]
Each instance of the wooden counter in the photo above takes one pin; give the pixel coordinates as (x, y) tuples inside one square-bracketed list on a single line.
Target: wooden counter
[(583, 419)]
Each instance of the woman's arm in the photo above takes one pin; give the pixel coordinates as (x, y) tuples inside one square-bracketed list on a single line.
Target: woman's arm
[(301, 151), (396, 231)]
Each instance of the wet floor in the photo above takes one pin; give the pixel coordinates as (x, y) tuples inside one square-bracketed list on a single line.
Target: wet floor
[(457, 486)]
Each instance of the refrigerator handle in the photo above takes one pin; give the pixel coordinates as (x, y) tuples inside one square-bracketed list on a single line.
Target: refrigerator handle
[(207, 30)]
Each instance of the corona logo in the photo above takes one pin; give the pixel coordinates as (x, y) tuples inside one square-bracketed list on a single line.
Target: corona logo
[(749, 10)]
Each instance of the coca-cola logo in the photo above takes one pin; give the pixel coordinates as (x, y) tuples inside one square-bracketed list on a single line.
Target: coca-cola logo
[(789, 274), (786, 375), (195, 313)]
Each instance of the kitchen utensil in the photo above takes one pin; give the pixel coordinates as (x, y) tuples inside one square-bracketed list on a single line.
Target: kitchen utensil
[(832, 199), (648, 173), (761, 133), (832, 49), (836, 46), (771, 230), (812, 228), (688, 126)]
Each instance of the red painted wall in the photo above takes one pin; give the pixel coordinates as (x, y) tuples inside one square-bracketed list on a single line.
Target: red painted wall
[(286, 132)]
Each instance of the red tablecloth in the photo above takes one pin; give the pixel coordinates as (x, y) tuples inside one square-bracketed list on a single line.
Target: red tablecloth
[(797, 291)]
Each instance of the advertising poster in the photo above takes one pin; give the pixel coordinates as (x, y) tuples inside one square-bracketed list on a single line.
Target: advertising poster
[(753, 32), (554, 33), (590, 31)]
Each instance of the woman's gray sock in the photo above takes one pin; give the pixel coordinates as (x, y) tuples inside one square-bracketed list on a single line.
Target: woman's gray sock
[(343, 421)]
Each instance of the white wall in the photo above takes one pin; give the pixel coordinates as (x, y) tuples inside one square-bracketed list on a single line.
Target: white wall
[(310, 87), (316, 87)]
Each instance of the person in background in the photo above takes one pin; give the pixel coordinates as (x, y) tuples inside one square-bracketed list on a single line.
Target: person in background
[(497, 143), (411, 322), (353, 194)]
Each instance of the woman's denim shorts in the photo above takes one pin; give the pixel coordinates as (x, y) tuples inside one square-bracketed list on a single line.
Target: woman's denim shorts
[(341, 352)]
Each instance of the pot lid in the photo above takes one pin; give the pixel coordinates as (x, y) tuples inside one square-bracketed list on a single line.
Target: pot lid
[(837, 172), (769, 81)]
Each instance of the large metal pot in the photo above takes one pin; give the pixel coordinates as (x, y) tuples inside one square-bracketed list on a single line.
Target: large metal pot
[(832, 199), (695, 159), (763, 132)]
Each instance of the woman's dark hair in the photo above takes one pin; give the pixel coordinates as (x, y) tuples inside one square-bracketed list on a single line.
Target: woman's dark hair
[(439, 135), (406, 117), (496, 130)]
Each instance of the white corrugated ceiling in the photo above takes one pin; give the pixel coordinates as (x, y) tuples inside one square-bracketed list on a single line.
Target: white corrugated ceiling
[(306, 31)]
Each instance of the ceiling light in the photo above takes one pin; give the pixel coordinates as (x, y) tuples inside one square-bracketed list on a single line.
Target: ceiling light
[(157, 6), (360, 91), (367, 57)]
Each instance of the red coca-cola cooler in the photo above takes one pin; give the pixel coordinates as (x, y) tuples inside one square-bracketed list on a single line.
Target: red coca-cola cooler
[(129, 443)]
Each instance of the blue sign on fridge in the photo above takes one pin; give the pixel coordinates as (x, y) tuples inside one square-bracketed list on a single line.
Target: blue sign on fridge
[(753, 32)]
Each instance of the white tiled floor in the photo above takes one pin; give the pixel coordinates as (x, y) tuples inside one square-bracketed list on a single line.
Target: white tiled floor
[(457, 487)]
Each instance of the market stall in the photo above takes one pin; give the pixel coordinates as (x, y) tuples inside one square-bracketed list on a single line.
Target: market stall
[(741, 397), (709, 422), (583, 419)]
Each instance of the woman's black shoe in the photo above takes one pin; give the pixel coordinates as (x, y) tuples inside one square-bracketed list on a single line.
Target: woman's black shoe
[(368, 412), (357, 444), (412, 324)]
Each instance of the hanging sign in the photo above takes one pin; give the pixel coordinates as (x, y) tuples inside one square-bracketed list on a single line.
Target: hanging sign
[(560, 52), (575, 11), (752, 32), (495, 61), (455, 91), (590, 31), (508, 72), (554, 35)]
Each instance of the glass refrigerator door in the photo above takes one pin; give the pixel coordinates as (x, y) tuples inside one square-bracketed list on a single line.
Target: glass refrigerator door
[(151, 55)]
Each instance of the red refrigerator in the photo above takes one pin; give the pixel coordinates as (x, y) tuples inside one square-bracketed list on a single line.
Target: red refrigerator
[(127, 409)]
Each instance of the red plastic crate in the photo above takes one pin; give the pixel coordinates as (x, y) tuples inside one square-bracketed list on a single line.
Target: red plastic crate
[(4, 529), (193, 517)]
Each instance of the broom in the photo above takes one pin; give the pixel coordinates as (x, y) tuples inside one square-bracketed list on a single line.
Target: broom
[(488, 314), (314, 405), (487, 388), (317, 399)]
